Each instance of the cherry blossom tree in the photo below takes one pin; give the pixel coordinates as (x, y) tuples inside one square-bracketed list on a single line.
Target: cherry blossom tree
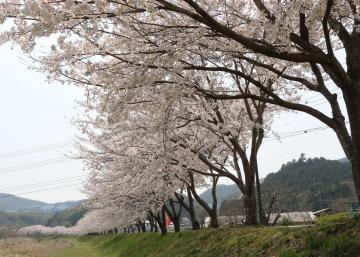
[(126, 148), (186, 47), (187, 202), (175, 136)]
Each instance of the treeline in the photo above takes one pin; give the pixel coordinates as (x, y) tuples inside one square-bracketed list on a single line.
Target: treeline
[(19, 219), (306, 184), (66, 218), (313, 184)]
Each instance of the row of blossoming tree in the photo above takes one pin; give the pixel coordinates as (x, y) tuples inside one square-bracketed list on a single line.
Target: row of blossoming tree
[(180, 93)]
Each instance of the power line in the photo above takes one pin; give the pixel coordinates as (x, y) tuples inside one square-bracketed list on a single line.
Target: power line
[(342, 97), (36, 149), (44, 183), (297, 133), (34, 165), (47, 189), (300, 131), (20, 190), (317, 95)]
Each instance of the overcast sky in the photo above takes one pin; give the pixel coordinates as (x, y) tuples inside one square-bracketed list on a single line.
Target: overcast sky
[(36, 114)]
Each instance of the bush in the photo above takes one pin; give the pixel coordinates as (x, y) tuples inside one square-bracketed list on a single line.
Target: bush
[(332, 219), (285, 222)]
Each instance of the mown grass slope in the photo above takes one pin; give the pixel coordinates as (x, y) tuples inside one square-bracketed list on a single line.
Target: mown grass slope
[(330, 240)]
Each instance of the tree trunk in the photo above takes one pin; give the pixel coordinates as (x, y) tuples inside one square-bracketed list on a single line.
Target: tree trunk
[(156, 227), (352, 101), (214, 222), (188, 207), (173, 214), (214, 215), (176, 227), (152, 221), (138, 227), (194, 222), (161, 222), (262, 217), (353, 107), (211, 211), (250, 203), (143, 226), (355, 163)]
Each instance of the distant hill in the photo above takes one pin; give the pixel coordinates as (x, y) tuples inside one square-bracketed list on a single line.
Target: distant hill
[(20, 219), (17, 212), (67, 217), (14, 203), (312, 184), (19, 204), (343, 160), (308, 184), (222, 192)]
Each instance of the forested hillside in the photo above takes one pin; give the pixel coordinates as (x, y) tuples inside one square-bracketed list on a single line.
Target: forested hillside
[(312, 184), (19, 219), (223, 192), (66, 218), (308, 184)]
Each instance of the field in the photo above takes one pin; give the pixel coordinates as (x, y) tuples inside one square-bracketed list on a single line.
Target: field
[(16, 247), (325, 240)]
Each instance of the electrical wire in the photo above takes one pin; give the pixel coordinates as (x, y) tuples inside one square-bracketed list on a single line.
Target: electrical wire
[(44, 183), (320, 95), (36, 149), (297, 133), (32, 165), (42, 190)]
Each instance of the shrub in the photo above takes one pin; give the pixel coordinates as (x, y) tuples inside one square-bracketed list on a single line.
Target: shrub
[(285, 222), (332, 219)]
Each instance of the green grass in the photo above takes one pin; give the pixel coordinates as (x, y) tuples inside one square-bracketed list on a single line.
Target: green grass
[(80, 249), (332, 218), (327, 240)]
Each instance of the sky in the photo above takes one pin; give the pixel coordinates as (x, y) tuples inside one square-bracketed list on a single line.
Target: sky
[(37, 116)]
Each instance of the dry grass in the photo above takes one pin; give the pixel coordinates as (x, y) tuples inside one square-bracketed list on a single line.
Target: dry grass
[(31, 247)]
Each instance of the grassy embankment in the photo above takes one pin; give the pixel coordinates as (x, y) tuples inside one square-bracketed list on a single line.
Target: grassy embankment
[(326, 239)]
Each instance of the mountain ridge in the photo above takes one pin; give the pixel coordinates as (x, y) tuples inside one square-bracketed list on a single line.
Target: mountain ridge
[(306, 184), (9, 202)]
